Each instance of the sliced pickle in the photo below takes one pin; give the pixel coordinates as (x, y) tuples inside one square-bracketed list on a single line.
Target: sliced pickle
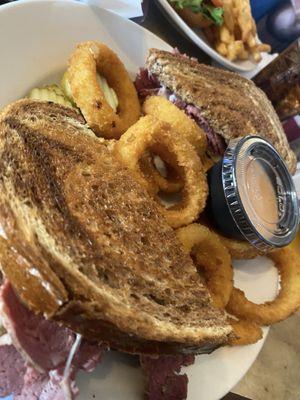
[(65, 85), (109, 93), (50, 93), (115, 97)]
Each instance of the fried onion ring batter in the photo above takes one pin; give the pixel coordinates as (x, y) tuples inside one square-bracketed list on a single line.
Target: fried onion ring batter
[(169, 184), (157, 136), (288, 299), (164, 110), (245, 332), (211, 258), (88, 59), (238, 249)]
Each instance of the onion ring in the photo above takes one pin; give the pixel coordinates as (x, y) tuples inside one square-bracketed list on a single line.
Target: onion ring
[(244, 332), (211, 258), (164, 110), (87, 59), (151, 134), (238, 249), (169, 184), (287, 301), (209, 160)]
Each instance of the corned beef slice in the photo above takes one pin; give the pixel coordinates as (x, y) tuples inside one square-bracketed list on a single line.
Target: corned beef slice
[(44, 386), (42, 342), (163, 379), (146, 84), (44, 345), (12, 370)]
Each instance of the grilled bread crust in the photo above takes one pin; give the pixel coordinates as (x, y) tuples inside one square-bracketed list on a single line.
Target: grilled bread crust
[(84, 244), (232, 105)]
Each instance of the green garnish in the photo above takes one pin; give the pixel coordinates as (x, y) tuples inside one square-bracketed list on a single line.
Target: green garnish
[(214, 13), (199, 6)]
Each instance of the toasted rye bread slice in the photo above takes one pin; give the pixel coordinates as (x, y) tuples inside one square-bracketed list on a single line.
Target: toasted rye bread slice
[(231, 104), (84, 233)]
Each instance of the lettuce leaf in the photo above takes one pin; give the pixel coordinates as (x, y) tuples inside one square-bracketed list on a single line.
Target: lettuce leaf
[(214, 13), (200, 6)]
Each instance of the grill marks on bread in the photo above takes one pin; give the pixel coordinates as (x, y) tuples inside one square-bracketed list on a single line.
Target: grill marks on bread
[(72, 204), (36, 182)]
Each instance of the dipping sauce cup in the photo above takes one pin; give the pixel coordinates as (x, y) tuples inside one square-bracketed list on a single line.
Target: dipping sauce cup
[(252, 194)]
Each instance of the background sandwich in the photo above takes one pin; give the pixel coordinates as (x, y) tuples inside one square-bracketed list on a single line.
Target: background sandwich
[(199, 13)]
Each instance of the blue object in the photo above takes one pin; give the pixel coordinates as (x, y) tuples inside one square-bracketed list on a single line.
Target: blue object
[(262, 7)]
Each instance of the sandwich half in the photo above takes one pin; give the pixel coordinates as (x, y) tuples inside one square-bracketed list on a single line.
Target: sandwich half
[(83, 244), (224, 104)]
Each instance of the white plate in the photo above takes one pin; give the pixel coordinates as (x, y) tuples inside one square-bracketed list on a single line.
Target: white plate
[(197, 36), (36, 39)]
